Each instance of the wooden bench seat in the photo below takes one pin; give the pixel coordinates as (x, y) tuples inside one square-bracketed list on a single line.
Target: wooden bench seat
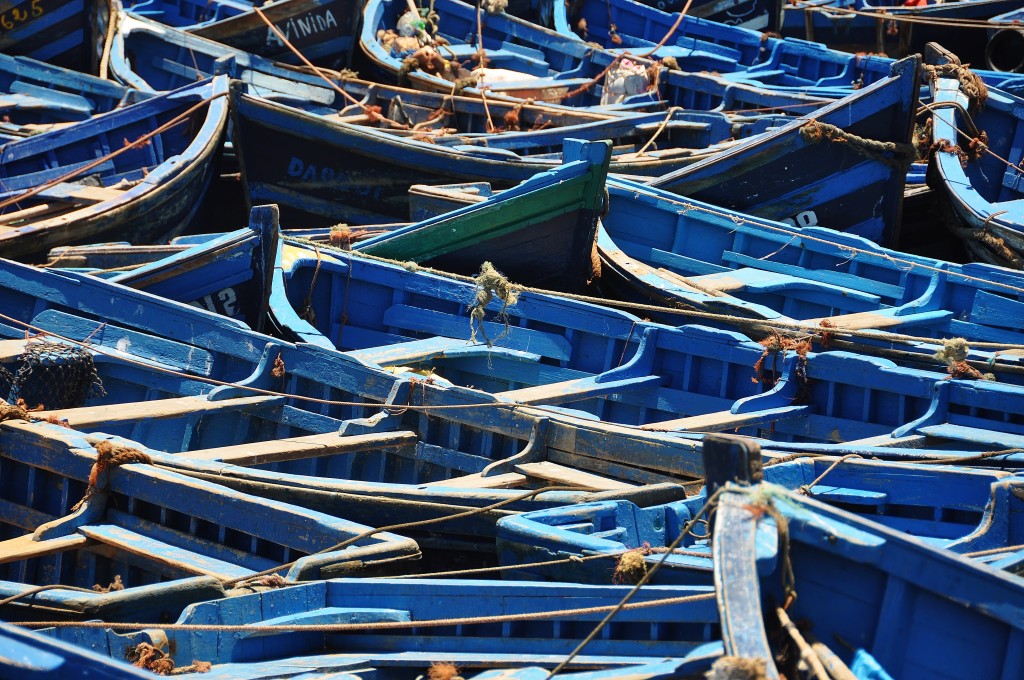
[(92, 416), (26, 547), (579, 389), (727, 420), (297, 448), (507, 480), (411, 318), (561, 474), (173, 556), (881, 319)]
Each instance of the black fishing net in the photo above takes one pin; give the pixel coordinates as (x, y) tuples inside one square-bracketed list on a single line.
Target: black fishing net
[(53, 375)]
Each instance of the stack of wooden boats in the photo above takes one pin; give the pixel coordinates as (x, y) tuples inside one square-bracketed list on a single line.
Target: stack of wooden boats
[(561, 340)]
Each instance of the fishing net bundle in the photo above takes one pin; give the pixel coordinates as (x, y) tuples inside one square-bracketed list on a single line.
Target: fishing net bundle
[(52, 375)]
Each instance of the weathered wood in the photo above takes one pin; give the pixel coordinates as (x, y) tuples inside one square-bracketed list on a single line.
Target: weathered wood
[(870, 320), (311, 446), (730, 459), (25, 547), (737, 586), (477, 481), (727, 420), (179, 558), (88, 416), (11, 349), (561, 474), (578, 390)]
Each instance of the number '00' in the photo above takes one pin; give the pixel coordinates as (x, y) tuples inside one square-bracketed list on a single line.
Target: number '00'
[(807, 218)]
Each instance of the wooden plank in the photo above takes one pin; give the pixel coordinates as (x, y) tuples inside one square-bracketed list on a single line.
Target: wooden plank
[(415, 351), (97, 194), (25, 547), (165, 553), (737, 583), (310, 446), (90, 416), (861, 321), (504, 481), (578, 389), (727, 420), (826, 276), (561, 474), (973, 435), (411, 318), (10, 350), (34, 212)]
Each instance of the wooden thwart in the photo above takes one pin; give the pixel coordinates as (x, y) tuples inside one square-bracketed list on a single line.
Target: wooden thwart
[(310, 446), (25, 548), (561, 474), (91, 416), (503, 481), (727, 420), (165, 553)]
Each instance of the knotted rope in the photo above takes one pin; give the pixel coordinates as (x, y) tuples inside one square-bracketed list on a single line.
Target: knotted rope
[(109, 455), (490, 284), (145, 655), (971, 83), (815, 132)]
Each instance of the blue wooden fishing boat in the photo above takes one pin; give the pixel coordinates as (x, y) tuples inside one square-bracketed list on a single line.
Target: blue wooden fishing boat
[(321, 424), (138, 172), (290, 156), (388, 629), (972, 136), (862, 591), (229, 274), (322, 30), (800, 272), (844, 169), (64, 33), (36, 95), (152, 57), (541, 232), (893, 27), (119, 520), (528, 61), (640, 378), (958, 509), (33, 655), (706, 44)]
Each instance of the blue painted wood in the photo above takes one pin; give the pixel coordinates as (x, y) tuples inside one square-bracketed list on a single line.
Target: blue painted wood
[(550, 66), (829, 23), (150, 192), (324, 31), (873, 587), (36, 94), (154, 526), (290, 151), (28, 654), (679, 632), (983, 192), (65, 33), (958, 509), (151, 56), (229, 274), (792, 173), (701, 43)]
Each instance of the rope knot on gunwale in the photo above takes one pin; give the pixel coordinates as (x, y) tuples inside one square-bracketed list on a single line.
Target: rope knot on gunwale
[(902, 155), (109, 455)]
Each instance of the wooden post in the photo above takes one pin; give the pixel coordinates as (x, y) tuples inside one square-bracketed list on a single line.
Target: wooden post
[(729, 459)]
